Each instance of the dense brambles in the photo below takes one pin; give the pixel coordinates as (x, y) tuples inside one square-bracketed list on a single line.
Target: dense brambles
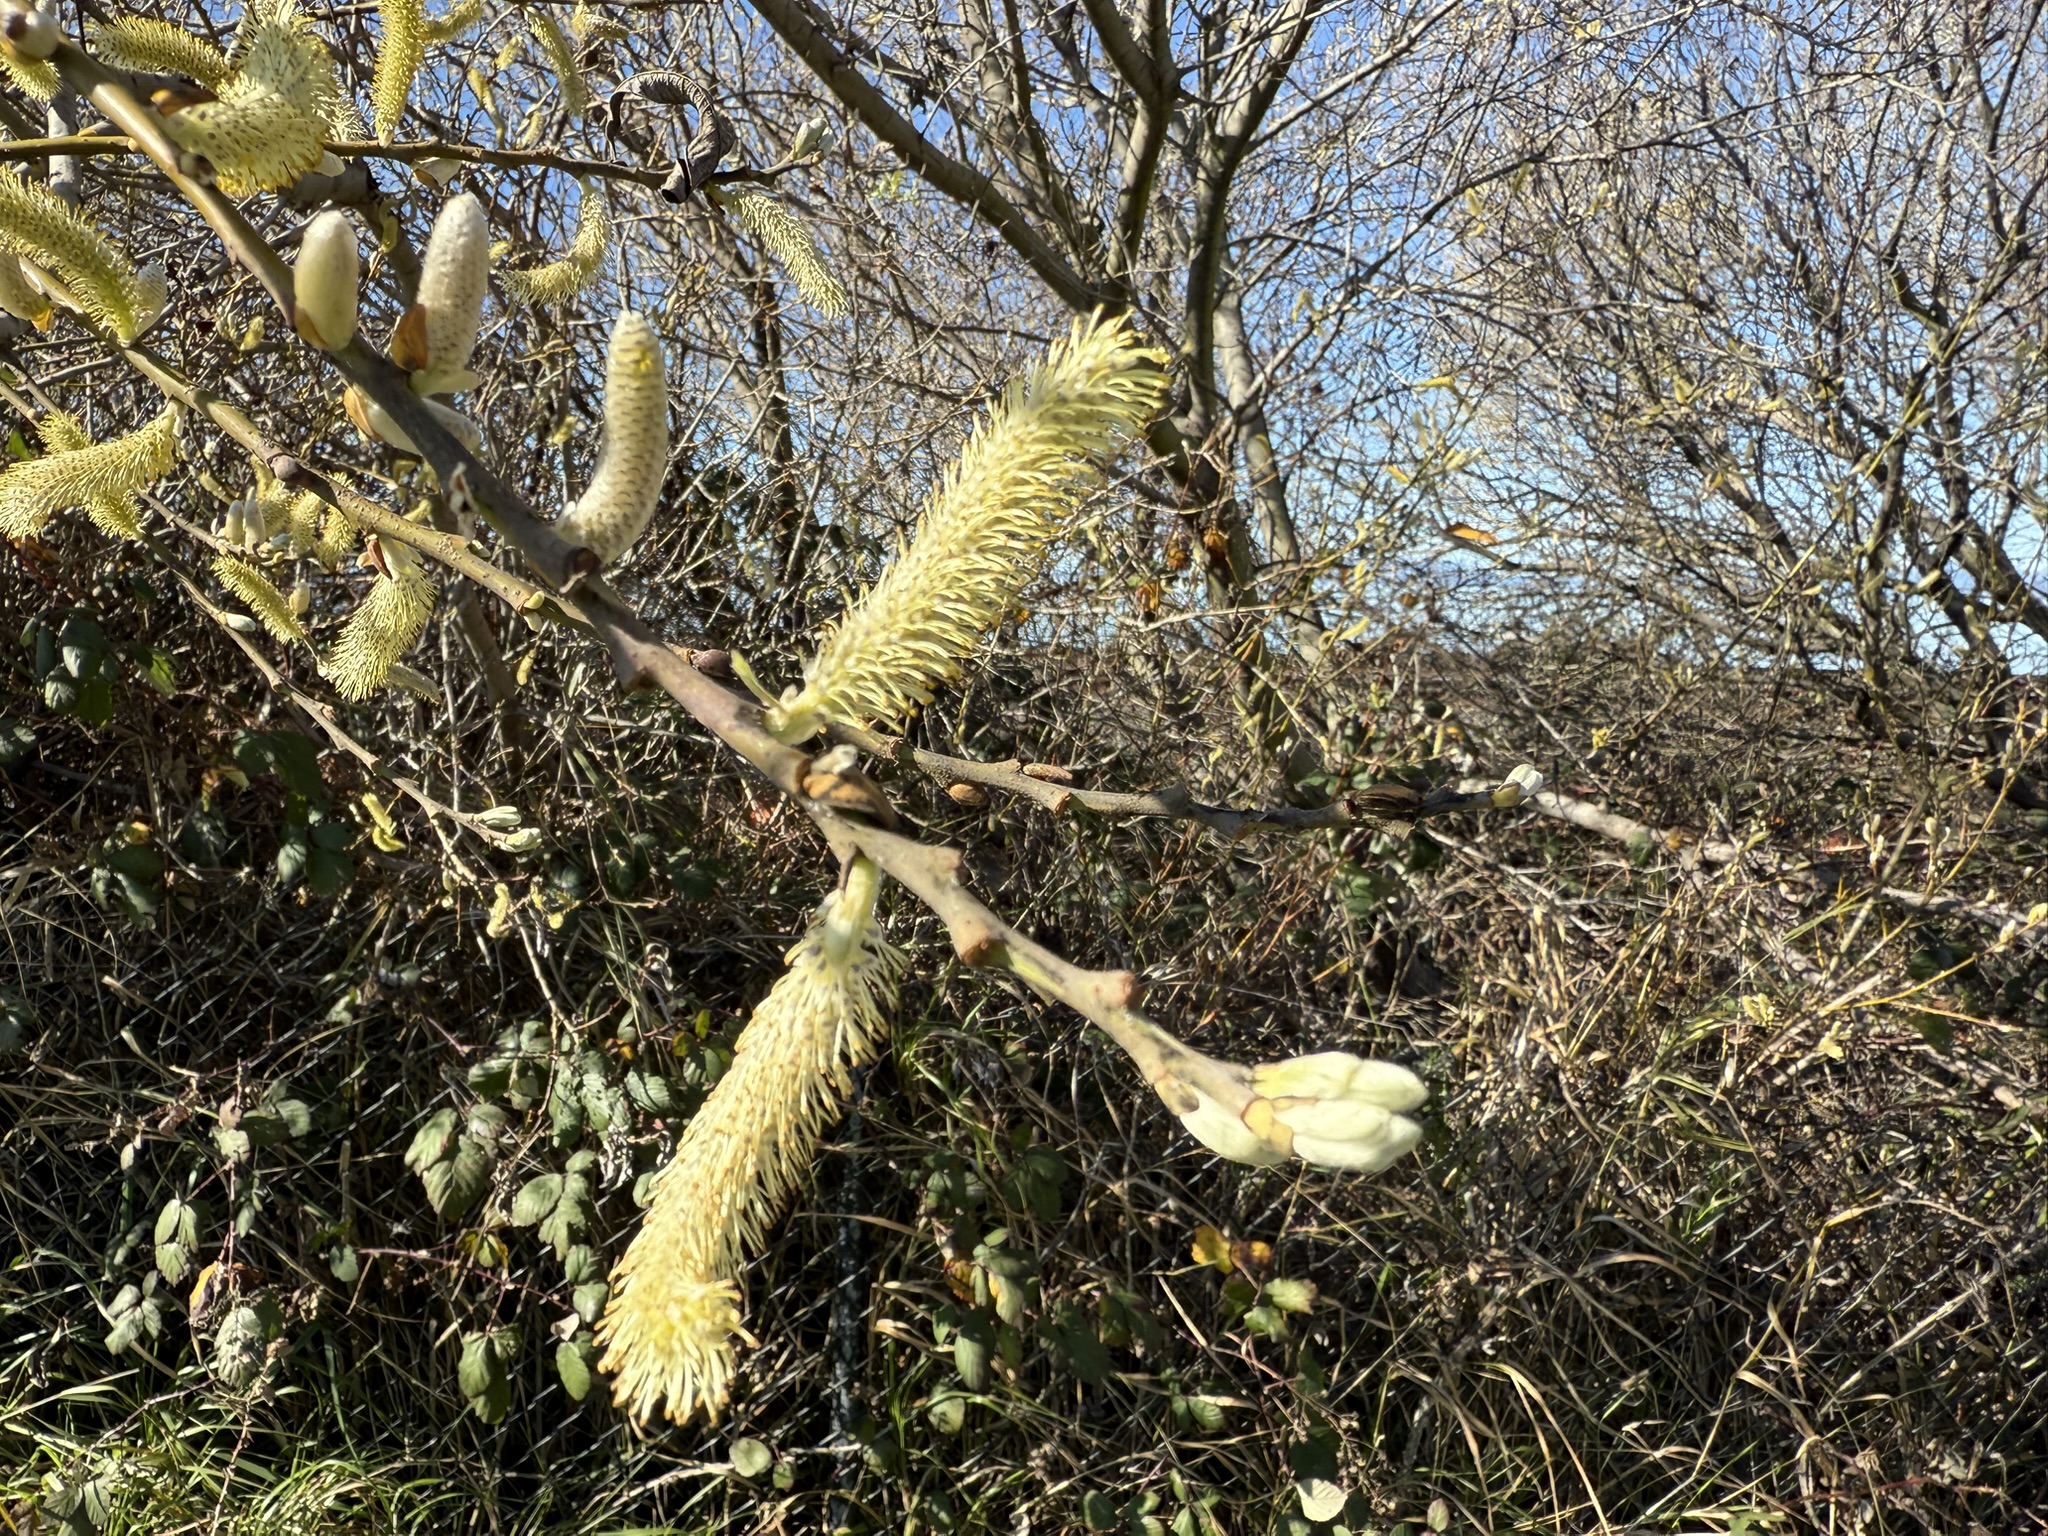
[(369, 953)]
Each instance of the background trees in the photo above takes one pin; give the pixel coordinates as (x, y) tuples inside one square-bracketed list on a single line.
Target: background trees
[(1653, 398)]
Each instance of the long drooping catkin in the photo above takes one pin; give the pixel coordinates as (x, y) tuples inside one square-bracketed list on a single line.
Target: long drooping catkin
[(674, 1309)]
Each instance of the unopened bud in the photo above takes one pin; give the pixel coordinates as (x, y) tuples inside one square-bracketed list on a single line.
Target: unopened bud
[(324, 282), (231, 526), (29, 32), (302, 597)]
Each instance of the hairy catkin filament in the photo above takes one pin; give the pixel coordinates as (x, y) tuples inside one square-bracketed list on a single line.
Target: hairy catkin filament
[(674, 1307), (38, 226), (982, 531), (266, 128), (76, 472)]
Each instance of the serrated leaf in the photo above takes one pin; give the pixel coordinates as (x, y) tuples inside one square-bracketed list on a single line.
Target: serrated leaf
[(579, 1264), (589, 1298), (481, 1375), (1320, 1498), (173, 1262), (433, 1141), (343, 1264)]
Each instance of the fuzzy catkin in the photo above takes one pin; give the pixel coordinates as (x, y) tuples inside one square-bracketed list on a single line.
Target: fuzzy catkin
[(38, 226), (455, 272), (267, 128), (766, 219), (633, 459), (144, 42), (270, 606), (74, 472), (384, 626), (674, 1311), (562, 59), (401, 49), (983, 530), (560, 281)]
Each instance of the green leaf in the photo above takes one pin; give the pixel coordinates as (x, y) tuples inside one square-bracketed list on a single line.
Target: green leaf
[(343, 1264), (750, 1458), (455, 1184), (295, 759), (1267, 1321), (157, 671), (492, 1077), (432, 1141), (579, 1264), (576, 1364), (17, 745), (329, 873), (948, 1414), (481, 1375), (1099, 1511), (173, 1262), (1320, 1498), (589, 1298), (536, 1198)]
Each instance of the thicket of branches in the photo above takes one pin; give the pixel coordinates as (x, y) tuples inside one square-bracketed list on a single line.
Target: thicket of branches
[(1653, 398)]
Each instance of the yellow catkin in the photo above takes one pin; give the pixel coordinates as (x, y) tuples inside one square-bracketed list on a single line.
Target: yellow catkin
[(384, 626), (782, 232), (267, 128), (558, 282), (633, 459), (562, 59), (455, 21), (339, 535), (270, 606), (401, 49), (100, 477), (983, 530), (36, 77), (37, 226), (674, 1308), (143, 42)]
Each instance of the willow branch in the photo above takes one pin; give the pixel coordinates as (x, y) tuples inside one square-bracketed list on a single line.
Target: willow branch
[(639, 655), (1374, 806)]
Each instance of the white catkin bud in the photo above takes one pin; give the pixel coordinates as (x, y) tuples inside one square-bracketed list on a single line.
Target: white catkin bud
[(325, 280), (454, 274), (619, 502), (302, 597), (31, 33), (252, 524), (231, 526)]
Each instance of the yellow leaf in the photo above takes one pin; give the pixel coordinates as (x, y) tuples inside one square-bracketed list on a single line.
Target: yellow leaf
[(1600, 735), (1212, 1248), (1470, 534), (1440, 381)]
